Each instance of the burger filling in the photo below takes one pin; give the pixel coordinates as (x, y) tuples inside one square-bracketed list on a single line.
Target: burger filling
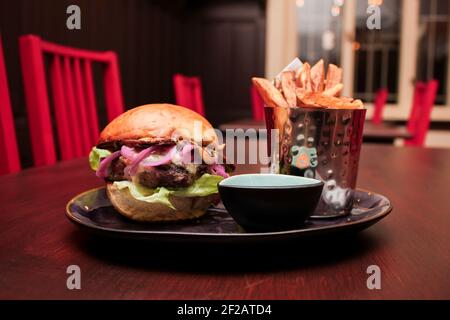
[(152, 174)]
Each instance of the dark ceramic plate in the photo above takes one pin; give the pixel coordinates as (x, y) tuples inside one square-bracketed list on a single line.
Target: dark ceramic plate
[(92, 211)]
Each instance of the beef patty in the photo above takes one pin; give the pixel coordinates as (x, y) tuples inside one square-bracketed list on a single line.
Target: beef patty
[(169, 175)]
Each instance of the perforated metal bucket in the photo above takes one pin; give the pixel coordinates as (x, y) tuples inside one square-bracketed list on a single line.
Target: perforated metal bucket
[(319, 143)]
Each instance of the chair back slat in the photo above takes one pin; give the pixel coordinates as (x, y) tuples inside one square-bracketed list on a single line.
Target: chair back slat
[(9, 155), (36, 98), (73, 107), (257, 104), (379, 104), (182, 96), (113, 87), (80, 98), (188, 93), (91, 106), (419, 120), (419, 93), (73, 94), (196, 87), (62, 112)]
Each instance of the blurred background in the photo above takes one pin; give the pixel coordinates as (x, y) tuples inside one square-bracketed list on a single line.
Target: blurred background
[(226, 42)]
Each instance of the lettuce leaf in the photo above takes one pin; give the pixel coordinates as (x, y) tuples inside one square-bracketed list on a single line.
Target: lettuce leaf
[(203, 186), (96, 155), (141, 193)]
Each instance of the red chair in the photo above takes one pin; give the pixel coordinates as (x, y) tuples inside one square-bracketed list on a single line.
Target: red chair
[(257, 105), (380, 102), (9, 158), (188, 92), (419, 120), (73, 97), (414, 117)]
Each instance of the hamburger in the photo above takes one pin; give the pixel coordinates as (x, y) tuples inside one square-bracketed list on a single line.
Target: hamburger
[(160, 162)]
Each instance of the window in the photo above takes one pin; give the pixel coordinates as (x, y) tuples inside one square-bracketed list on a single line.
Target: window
[(432, 57), (414, 37), (377, 52), (319, 30)]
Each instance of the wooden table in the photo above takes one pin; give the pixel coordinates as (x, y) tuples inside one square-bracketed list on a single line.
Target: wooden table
[(411, 246), (382, 133)]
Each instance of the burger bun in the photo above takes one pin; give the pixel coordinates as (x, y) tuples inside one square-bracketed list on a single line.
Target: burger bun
[(185, 207)]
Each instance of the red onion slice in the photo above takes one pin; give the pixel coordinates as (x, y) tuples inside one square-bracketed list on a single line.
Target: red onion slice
[(102, 171), (207, 157), (147, 163), (131, 169), (219, 170), (203, 154), (128, 153), (185, 153)]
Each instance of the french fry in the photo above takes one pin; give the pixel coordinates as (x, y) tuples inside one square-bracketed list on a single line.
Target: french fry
[(307, 87), (317, 99), (305, 98), (334, 76), (300, 94), (345, 103), (277, 83), (318, 76), (269, 93), (333, 91), (358, 104), (346, 99), (303, 77), (288, 87)]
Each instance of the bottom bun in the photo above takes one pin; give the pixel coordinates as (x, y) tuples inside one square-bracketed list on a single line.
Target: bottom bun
[(186, 207)]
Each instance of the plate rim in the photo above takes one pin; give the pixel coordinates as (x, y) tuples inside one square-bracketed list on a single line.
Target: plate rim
[(374, 218)]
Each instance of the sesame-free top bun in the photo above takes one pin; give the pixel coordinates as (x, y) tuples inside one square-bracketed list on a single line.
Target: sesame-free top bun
[(153, 123), (157, 123), (185, 207)]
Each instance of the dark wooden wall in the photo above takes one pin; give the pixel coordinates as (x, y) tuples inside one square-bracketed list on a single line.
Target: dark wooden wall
[(225, 46), (222, 41)]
